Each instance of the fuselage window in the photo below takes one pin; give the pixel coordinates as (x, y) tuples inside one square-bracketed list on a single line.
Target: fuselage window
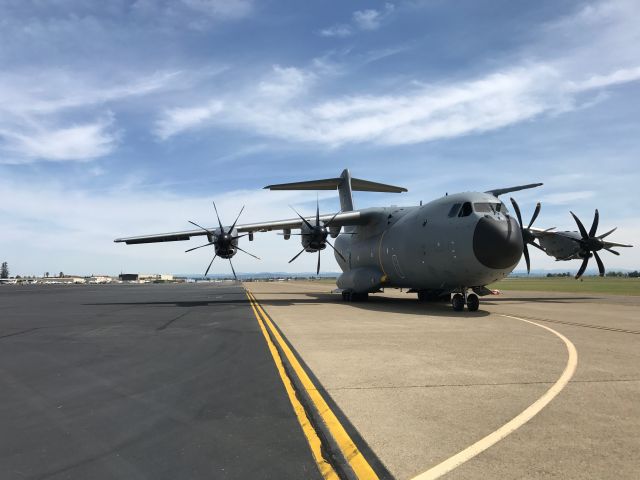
[(487, 207), (454, 210), (466, 210), (484, 207)]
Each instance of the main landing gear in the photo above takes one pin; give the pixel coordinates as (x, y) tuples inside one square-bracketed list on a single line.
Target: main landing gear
[(472, 301), (350, 296)]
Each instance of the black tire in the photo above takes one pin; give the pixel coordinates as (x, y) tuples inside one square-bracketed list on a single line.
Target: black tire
[(344, 296), (457, 302), (473, 302), (422, 296)]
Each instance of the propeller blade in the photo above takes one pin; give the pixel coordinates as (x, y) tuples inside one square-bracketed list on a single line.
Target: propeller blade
[(233, 270), (302, 218), (334, 249), (583, 231), (517, 209), (317, 212), (195, 248), (210, 263), (300, 253), (536, 212), (200, 226), (251, 254), (218, 216), (599, 262), (614, 244), (525, 250), (538, 247), (318, 269), (594, 225), (234, 223), (612, 251), (332, 218), (583, 267), (608, 233)]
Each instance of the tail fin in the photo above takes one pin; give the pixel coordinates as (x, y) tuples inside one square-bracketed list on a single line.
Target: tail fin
[(345, 185)]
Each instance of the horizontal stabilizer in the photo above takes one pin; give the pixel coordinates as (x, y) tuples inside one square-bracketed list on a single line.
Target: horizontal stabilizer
[(500, 191), (333, 183)]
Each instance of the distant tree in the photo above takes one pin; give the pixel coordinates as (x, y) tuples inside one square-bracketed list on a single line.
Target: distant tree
[(46, 274), (4, 270), (61, 274)]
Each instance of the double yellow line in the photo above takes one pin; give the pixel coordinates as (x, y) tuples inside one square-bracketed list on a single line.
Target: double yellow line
[(347, 449)]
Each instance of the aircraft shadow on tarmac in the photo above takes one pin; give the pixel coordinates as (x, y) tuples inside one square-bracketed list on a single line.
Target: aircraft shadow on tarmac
[(178, 303), (409, 306), (381, 304)]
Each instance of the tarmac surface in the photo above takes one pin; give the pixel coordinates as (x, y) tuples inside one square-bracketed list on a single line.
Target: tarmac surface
[(141, 382), (177, 381), (420, 383)]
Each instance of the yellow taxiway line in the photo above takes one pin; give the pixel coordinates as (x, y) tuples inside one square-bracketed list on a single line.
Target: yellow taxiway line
[(347, 447), (516, 422)]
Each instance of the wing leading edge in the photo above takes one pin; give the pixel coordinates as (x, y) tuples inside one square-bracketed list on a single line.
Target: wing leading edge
[(341, 220)]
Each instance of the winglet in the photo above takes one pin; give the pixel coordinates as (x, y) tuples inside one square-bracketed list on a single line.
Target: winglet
[(500, 191)]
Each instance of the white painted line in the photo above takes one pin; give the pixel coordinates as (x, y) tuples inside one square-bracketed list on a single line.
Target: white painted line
[(516, 422)]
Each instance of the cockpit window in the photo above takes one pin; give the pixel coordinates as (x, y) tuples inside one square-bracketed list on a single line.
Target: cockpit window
[(487, 207), (466, 210), (454, 209)]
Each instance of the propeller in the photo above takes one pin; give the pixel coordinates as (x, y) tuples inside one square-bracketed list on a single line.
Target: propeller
[(527, 237), (315, 236), (224, 241), (592, 244)]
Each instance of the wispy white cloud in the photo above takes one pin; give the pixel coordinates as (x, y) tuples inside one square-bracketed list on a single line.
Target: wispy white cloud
[(38, 114), (339, 30), (566, 198), (294, 108), (282, 106), (371, 19), (362, 20), (75, 143), (177, 120), (623, 75)]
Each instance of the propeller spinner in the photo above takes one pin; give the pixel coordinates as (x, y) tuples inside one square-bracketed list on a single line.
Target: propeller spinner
[(592, 244), (314, 237), (225, 242)]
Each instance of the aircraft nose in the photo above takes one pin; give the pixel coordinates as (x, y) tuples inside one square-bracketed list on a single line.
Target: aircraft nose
[(497, 244)]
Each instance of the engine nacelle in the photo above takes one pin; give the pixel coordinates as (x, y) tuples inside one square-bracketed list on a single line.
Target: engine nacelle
[(561, 248), (226, 244), (314, 238)]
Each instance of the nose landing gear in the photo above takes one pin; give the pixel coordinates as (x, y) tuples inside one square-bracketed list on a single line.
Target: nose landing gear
[(459, 300)]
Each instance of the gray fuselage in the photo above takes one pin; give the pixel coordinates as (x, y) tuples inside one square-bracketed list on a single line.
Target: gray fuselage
[(457, 241)]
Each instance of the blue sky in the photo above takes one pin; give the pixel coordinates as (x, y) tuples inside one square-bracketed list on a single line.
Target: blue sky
[(127, 117)]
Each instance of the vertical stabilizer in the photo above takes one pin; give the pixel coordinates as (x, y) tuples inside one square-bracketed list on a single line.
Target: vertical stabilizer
[(345, 191)]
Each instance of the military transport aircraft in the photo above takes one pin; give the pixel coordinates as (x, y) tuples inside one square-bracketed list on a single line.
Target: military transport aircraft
[(447, 249)]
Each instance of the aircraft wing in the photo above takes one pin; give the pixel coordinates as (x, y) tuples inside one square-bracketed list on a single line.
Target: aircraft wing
[(340, 220)]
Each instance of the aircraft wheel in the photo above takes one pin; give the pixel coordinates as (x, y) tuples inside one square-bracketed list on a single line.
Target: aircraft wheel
[(422, 296), (473, 302), (457, 302), (346, 296)]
